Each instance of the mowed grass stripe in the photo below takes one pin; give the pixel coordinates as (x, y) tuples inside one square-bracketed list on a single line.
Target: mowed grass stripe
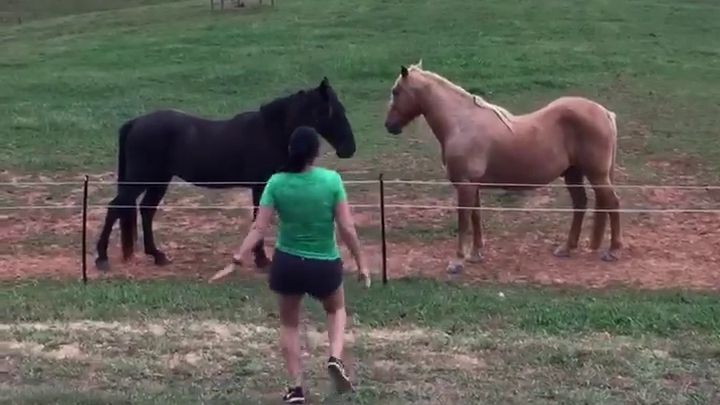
[(425, 303)]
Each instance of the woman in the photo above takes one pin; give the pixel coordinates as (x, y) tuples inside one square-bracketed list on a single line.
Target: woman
[(309, 201)]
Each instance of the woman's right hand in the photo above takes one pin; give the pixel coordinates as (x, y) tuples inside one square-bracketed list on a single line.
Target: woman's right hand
[(364, 276)]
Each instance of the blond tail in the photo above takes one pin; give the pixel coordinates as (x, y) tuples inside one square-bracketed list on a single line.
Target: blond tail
[(613, 123)]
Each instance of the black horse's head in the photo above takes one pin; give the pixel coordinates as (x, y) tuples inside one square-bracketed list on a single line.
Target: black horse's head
[(319, 108)]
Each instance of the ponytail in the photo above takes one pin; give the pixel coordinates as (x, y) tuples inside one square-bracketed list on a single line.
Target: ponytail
[(303, 148), (295, 164)]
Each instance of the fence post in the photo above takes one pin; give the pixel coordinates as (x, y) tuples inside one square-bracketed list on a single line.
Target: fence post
[(382, 229), (84, 229)]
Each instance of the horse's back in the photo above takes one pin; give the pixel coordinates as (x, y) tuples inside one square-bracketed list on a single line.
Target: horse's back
[(567, 131), (590, 132)]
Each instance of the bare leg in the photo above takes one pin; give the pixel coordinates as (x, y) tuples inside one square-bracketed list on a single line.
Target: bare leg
[(149, 203), (290, 336), (476, 255), (574, 178), (465, 199), (336, 320), (261, 259)]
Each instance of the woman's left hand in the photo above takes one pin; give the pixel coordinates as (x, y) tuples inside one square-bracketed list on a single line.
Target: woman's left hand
[(239, 259)]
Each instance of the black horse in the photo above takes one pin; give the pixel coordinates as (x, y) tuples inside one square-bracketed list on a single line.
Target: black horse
[(248, 148)]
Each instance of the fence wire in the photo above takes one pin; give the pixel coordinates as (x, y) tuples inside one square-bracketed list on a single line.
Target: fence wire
[(395, 206), (386, 205), (396, 181)]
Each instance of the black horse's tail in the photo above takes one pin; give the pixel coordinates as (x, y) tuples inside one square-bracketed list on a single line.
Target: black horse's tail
[(128, 215)]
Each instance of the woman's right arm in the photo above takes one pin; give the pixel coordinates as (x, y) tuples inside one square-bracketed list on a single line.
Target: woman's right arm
[(346, 228)]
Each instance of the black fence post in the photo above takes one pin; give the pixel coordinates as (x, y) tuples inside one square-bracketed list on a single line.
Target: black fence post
[(84, 229), (382, 229)]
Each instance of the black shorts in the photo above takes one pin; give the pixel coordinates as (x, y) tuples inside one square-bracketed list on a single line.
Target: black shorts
[(295, 275)]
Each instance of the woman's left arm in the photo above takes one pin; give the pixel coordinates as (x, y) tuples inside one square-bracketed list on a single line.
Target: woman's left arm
[(257, 232)]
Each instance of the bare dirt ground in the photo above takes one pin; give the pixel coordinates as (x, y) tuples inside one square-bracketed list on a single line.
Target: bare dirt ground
[(662, 250)]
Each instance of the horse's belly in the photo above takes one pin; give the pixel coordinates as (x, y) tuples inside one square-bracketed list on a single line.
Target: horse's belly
[(524, 174), (202, 169)]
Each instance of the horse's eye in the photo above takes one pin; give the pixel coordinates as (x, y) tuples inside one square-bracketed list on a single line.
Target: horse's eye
[(395, 92)]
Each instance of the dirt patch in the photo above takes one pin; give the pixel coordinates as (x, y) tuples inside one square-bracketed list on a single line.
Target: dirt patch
[(673, 251), (662, 250), (63, 352)]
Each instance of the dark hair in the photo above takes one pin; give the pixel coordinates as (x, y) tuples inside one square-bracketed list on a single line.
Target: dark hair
[(303, 148)]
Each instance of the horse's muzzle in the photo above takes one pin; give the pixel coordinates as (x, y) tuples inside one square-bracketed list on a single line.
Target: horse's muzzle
[(393, 128), (345, 154)]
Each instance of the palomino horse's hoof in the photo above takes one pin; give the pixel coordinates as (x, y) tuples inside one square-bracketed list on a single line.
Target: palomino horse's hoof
[(562, 251), (102, 264), (455, 268), (610, 256), (476, 258)]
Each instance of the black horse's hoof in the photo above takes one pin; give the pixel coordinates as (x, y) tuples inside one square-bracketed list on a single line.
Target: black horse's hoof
[(161, 259), (102, 264)]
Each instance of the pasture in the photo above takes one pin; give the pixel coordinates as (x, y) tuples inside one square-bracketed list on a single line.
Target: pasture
[(577, 330)]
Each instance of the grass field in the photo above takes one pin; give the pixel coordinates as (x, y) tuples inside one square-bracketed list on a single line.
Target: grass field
[(72, 71), (413, 341)]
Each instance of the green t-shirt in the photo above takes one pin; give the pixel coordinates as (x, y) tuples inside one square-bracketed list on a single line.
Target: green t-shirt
[(305, 203)]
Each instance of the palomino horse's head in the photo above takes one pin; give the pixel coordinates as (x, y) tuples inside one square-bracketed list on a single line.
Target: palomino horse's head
[(405, 103)]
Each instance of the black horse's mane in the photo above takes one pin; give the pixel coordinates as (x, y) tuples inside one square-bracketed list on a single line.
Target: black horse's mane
[(274, 110)]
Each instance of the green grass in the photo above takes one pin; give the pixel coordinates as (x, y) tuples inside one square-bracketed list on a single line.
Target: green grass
[(422, 303), (30, 10), (414, 340), (71, 81)]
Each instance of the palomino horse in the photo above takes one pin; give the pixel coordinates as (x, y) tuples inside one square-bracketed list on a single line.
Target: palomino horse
[(247, 148), (572, 137)]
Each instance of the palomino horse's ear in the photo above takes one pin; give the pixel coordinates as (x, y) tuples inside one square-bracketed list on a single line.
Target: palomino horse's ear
[(419, 64), (403, 71)]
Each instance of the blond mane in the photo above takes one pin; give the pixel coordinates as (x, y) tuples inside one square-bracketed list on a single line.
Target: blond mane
[(502, 113)]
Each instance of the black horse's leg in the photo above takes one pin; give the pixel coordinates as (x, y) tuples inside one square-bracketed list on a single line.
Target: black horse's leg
[(127, 196), (148, 208), (101, 262), (261, 259)]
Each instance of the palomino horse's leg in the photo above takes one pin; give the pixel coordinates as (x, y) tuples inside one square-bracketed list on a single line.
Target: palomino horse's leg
[(476, 252), (261, 259), (465, 199), (149, 203), (613, 253), (606, 199), (573, 180)]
